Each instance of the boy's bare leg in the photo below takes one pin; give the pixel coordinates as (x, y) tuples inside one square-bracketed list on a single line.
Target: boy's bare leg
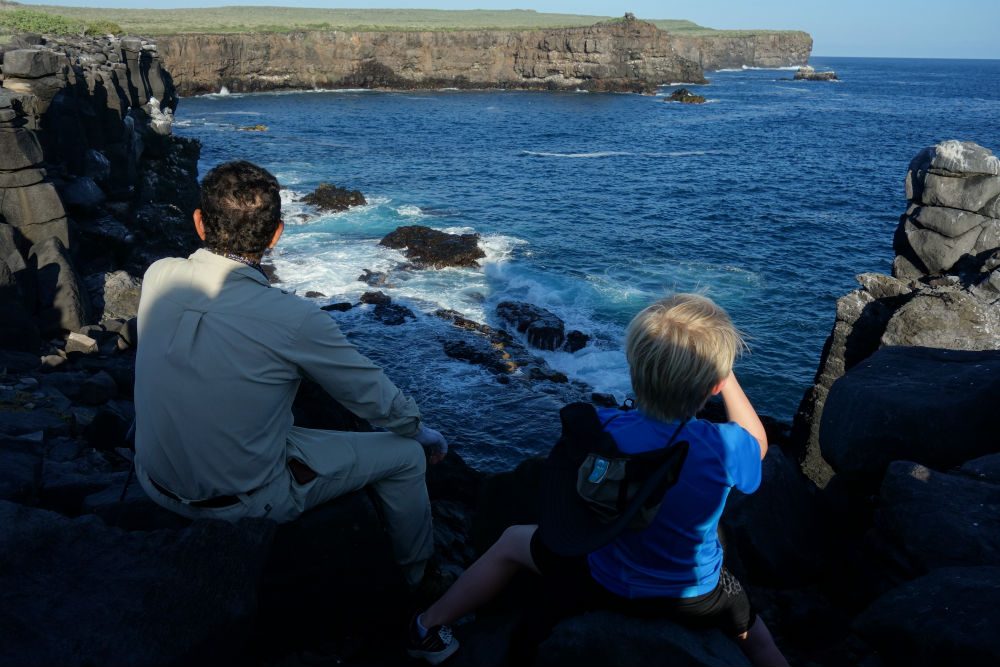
[(758, 645), (485, 578)]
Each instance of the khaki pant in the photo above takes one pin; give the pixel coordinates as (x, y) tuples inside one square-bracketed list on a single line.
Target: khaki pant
[(343, 461)]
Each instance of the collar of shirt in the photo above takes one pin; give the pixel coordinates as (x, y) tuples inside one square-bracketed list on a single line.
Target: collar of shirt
[(218, 262)]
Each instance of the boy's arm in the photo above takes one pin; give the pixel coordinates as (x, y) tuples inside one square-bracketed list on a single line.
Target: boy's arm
[(739, 410)]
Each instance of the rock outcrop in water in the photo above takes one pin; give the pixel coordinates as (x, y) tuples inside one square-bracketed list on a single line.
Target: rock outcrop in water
[(807, 73), (427, 247), (328, 197)]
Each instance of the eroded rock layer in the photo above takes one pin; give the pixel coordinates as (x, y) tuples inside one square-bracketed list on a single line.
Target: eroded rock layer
[(625, 55)]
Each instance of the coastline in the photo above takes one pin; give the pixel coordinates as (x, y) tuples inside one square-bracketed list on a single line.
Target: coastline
[(814, 552)]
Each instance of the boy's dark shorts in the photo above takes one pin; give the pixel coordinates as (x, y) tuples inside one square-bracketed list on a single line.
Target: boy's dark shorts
[(568, 580)]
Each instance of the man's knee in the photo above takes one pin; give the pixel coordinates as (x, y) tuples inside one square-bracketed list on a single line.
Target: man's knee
[(416, 458)]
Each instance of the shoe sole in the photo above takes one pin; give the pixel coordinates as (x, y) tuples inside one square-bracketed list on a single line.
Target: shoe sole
[(434, 657)]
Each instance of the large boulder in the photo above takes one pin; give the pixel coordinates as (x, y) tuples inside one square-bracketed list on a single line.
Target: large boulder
[(78, 592), (19, 149), (947, 617), (777, 532), (36, 211), (948, 318), (933, 519), (20, 470), (607, 639), (542, 328), (114, 295), (927, 405), (29, 63), (427, 247), (62, 299), (328, 197)]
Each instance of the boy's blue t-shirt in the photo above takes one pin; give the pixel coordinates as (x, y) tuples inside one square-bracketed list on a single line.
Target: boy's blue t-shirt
[(678, 555)]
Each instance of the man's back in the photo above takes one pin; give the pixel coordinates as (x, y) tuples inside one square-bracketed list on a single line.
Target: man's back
[(214, 377)]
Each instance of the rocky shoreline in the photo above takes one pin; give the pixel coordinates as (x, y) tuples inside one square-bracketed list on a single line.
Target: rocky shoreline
[(873, 540)]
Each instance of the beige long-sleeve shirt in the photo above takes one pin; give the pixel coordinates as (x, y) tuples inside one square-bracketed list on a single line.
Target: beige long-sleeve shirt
[(220, 358)]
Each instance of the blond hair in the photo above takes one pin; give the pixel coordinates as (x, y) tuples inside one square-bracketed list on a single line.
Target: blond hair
[(678, 350)]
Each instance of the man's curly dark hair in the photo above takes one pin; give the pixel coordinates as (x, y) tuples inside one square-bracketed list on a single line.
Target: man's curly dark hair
[(240, 208)]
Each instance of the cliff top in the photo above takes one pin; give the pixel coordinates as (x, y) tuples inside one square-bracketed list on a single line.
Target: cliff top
[(287, 19)]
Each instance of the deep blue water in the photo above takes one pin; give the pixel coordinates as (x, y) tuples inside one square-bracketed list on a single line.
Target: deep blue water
[(770, 198)]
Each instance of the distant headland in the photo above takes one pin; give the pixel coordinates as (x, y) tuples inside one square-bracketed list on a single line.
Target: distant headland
[(246, 49)]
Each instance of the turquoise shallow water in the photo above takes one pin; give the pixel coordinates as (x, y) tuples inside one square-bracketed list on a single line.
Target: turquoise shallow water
[(770, 198)]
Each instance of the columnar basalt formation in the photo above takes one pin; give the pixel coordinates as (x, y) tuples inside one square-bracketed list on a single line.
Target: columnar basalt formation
[(945, 288), (625, 55), (86, 161)]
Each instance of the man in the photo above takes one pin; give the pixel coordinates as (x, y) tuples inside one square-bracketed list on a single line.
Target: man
[(220, 358)]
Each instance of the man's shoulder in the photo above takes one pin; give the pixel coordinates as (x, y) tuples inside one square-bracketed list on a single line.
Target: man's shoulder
[(163, 265)]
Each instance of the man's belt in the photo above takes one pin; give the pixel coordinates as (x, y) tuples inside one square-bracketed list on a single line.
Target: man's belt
[(217, 502)]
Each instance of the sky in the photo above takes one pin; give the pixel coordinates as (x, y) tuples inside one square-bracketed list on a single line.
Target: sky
[(873, 28)]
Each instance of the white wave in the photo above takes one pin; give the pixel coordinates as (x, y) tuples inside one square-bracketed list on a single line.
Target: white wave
[(410, 211), (232, 113), (682, 83), (578, 155), (223, 91), (579, 90), (747, 68)]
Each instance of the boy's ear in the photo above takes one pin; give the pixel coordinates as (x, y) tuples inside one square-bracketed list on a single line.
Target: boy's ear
[(717, 389)]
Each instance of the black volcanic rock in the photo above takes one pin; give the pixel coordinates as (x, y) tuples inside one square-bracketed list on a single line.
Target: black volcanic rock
[(428, 247), (329, 197), (685, 96), (543, 329)]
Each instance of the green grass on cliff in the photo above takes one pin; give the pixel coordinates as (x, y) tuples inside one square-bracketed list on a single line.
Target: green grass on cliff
[(288, 19)]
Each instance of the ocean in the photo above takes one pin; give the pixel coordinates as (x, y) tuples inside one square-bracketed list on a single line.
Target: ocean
[(769, 198)]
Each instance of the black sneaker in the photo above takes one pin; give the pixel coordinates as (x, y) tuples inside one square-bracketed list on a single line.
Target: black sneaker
[(435, 648)]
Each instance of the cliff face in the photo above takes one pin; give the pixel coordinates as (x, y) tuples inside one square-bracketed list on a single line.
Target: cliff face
[(621, 56), (777, 49)]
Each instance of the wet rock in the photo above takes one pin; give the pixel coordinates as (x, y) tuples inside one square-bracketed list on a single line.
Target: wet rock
[(607, 638), (936, 519), (603, 400), (315, 295), (339, 307), (376, 298), (199, 583), (374, 278), (542, 328), (926, 405), (328, 197), (427, 247), (477, 351), (807, 73), (547, 374), (392, 314), (947, 617), (18, 419), (576, 341), (685, 96)]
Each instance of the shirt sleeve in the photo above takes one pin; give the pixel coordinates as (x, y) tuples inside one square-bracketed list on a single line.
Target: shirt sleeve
[(742, 457), (325, 355)]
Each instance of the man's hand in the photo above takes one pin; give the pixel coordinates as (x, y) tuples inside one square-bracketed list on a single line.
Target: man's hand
[(434, 442)]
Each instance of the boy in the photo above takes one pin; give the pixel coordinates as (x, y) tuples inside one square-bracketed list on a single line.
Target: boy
[(680, 352)]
